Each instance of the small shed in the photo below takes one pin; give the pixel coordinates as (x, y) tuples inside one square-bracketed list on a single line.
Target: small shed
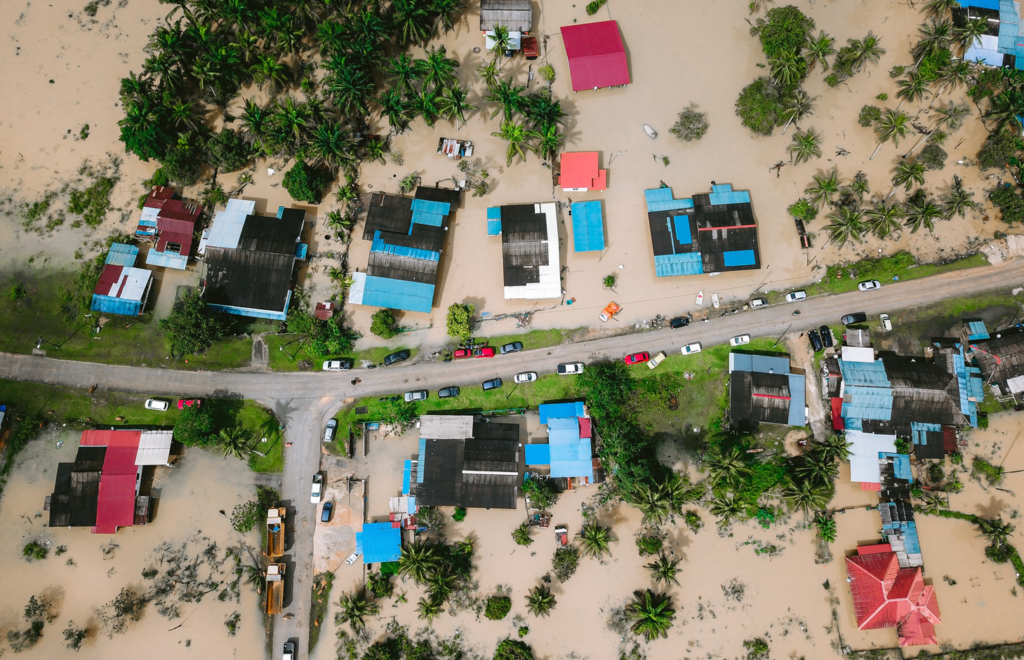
[(379, 542), (516, 15), (122, 289), (597, 56), (587, 227), (580, 173)]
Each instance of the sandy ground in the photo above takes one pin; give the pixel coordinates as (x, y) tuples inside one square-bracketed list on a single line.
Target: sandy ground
[(335, 540), (83, 578)]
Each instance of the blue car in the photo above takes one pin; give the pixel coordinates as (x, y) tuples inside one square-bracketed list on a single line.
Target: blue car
[(326, 515)]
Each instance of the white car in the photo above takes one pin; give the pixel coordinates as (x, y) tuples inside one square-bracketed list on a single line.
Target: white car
[(690, 349), (157, 404), (758, 302), (656, 360), (869, 285), (526, 377), (318, 487), (338, 365), (886, 322), (416, 395), (796, 295), (570, 368), (739, 340)]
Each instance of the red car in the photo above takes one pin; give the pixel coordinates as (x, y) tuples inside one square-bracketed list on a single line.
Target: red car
[(637, 358), (486, 351), (463, 353), (188, 403)]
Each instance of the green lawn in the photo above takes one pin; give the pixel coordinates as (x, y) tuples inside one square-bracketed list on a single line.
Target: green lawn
[(531, 340), (282, 348), (259, 423)]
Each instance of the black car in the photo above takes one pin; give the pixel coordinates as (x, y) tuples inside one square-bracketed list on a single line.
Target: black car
[(492, 384), (448, 392), (395, 358), (679, 322), (326, 515), (856, 317), (815, 340), (826, 336), (514, 347)]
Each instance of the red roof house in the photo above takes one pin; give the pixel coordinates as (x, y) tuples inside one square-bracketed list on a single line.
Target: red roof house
[(172, 223), (597, 57), (579, 172), (887, 596)]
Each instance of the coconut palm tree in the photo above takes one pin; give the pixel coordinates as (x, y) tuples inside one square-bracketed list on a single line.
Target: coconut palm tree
[(418, 561), (375, 150), (995, 530), (651, 502), (489, 73), (788, 69), (891, 126), (550, 142), (501, 41), (651, 614), (355, 607), (908, 174), (932, 503), (969, 34), (184, 116), (823, 188), (953, 116), (233, 442), (426, 103), (884, 220), (1005, 109), (923, 214), (350, 85), (936, 36), (509, 98), (805, 146), (826, 528), (594, 539), (332, 146), (438, 69), (865, 51), (447, 13), (818, 468), (543, 110), (795, 107), (539, 601), (410, 21), (957, 201), (663, 569), (256, 124), (726, 507), (818, 49), (726, 466), (269, 71), (517, 136), (429, 608), (402, 71), (846, 224), (805, 495), (453, 103), (912, 88), (674, 490), (441, 582), (290, 125), (395, 108), (835, 446), (940, 9), (859, 186)]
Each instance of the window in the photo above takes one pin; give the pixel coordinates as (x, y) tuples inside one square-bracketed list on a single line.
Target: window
[(173, 247)]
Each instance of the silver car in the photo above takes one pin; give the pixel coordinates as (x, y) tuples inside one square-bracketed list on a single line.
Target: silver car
[(416, 395)]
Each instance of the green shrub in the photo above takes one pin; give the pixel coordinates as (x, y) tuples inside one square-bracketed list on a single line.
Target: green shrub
[(193, 326), (933, 64), (521, 535), (380, 585), (547, 72), (757, 649), (903, 446), (513, 649), (998, 149), (593, 7), (609, 281), (382, 323), (803, 210), (693, 521), (565, 561), (159, 178), (460, 320), (182, 164), (832, 80), (306, 183), (541, 492), (16, 292), (196, 427), (34, 550), (228, 151), (1000, 554), (869, 114), (760, 106), (882, 97), (897, 71), (691, 125), (649, 545), (498, 607), (783, 31), (214, 196), (992, 473), (1010, 204), (459, 515), (933, 157), (93, 202), (245, 516)]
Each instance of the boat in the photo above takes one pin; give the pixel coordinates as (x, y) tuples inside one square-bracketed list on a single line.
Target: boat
[(700, 299), (715, 301), (650, 131)]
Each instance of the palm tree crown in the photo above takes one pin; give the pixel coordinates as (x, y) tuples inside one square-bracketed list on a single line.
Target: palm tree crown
[(651, 613), (539, 601), (594, 539), (664, 569), (805, 146)]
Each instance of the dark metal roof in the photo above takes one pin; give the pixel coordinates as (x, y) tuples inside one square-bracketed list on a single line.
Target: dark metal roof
[(443, 195), (452, 469), (255, 280), (516, 15), (398, 267), (276, 235), (75, 497), (490, 491), (490, 456), (387, 213), (423, 237), (523, 232), (495, 431), (934, 446), (442, 474), (1000, 358), (759, 397)]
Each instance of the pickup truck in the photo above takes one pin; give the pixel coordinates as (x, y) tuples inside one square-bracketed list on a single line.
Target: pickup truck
[(570, 368), (610, 311)]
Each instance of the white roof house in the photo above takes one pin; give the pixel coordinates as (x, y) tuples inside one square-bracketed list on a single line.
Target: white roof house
[(864, 451)]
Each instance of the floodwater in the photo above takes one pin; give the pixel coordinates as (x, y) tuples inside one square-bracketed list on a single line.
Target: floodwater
[(84, 577)]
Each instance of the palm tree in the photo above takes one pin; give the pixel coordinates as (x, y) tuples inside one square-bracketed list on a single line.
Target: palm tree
[(550, 142), (823, 188), (935, 38), (796, 107), (726, 507), (500, 42), (816, 467), (884, 220), (835, 446), (394, 107), (652, 503), (441, 582), (334, 147), (375, 150), (539, 601), (912, 88), (232, 442), (932, 503), (1006, 107), (892, 126), (923, 214), (651, 614), (865, 50), (426, 104), (995, 530), (402, 72), (787, 69), (290, 123), (940, 9), (410, 21), (594, 539), (908, 174), (437, 70), (846, 224), (184, 115), (488, 72), (957, 201), (350, 85), (953, 116), (543, 110), (271, 72), (674, 490), (663, 569), (517, 136), (726, 466), (826, 528), (447, 12), (418, 561), (805, 145), (429, 608), (355, 607), (508, 97), (256, 124), (805, 495), (818, 49), (453, 103), (859, 186)]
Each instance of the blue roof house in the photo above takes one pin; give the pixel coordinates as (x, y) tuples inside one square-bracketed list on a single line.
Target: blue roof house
[(569, 451), (379, 542)]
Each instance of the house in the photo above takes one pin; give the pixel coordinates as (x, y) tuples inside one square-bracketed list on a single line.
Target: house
[(887, 596), (710, 233), (171, 223), (408, 235), (597, 57), (379, 542), (529, 249), (249, 259), (765, 389), (101, 488), (569, 451), (1000, 359), (999, 47), (514, 15), (465, 462), (579, 172), (122, 289), (587, 227)]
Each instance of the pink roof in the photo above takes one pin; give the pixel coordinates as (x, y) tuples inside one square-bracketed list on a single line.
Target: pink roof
[(596, 55), (584, 427), (111, 438), (887, 596), (116, 505), (579, 170), (873, 549), (176, 231)]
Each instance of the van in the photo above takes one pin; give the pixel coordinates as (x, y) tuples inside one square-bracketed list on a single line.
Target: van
[(656, 360)]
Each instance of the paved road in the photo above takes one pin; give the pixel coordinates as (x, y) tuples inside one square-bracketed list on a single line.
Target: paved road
[(303, 401)]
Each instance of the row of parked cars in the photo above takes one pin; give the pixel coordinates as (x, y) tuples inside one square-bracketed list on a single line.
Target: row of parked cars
[(566, 369)]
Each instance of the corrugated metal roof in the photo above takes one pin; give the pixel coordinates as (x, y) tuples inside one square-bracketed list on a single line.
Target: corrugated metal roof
[(670, 265), (379, 245), (516, 15), (379, 542), (554, 410), (977, 330), (734, 258), (724, 194), (766, 364), (166, 260), (109, 305), (393, 294), (154, 447), (121, 254), (406, 477), (864, 450), (538, 454), (227, 225), (587, 226), (597, 57), (429, 206), (494, 227), (870, 374), (570, 454), (455, 427), (524, 277), (797, 394)]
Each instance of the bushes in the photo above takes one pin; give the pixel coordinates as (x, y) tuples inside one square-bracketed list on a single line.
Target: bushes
[(245, 516), (382, 324), (783, 31), (648, 544), (869, 114), (1000, 554), (594, 6), (803, 210), (305, 183), (460, 320), (181, 165), (228, 151), (565, 562), (193, 326), (693, 521), (691, 125), (498, 607), (93, 202), (541, 492), (1010, 204), (380, 585), (33, 551), (195, 427), (903, 446), (992, 473), (760, 106), (513, 649), (521, 535), (459, 515), (933, 157), (547, 72), (998, 149)]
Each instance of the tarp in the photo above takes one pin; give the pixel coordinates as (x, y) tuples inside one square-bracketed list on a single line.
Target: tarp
[(597, 57)]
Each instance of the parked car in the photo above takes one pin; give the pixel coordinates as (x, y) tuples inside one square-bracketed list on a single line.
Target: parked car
[(514, 347), (815, 340), (794, 296), (679, 322), (484, 352), (570, 368), (739, 340), (342, 364), (637, 358), (656, 360), (317, 490), (463, 353), (325, 515), (188, 403), (450, 392), (690, 349), (416, 395), (886, 322), (758, 302), (289, 651), (526, 377), (332, 428), (492, 384), (396, 357), (856, 317), (157, 404), (826, 336), (869, 285)]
